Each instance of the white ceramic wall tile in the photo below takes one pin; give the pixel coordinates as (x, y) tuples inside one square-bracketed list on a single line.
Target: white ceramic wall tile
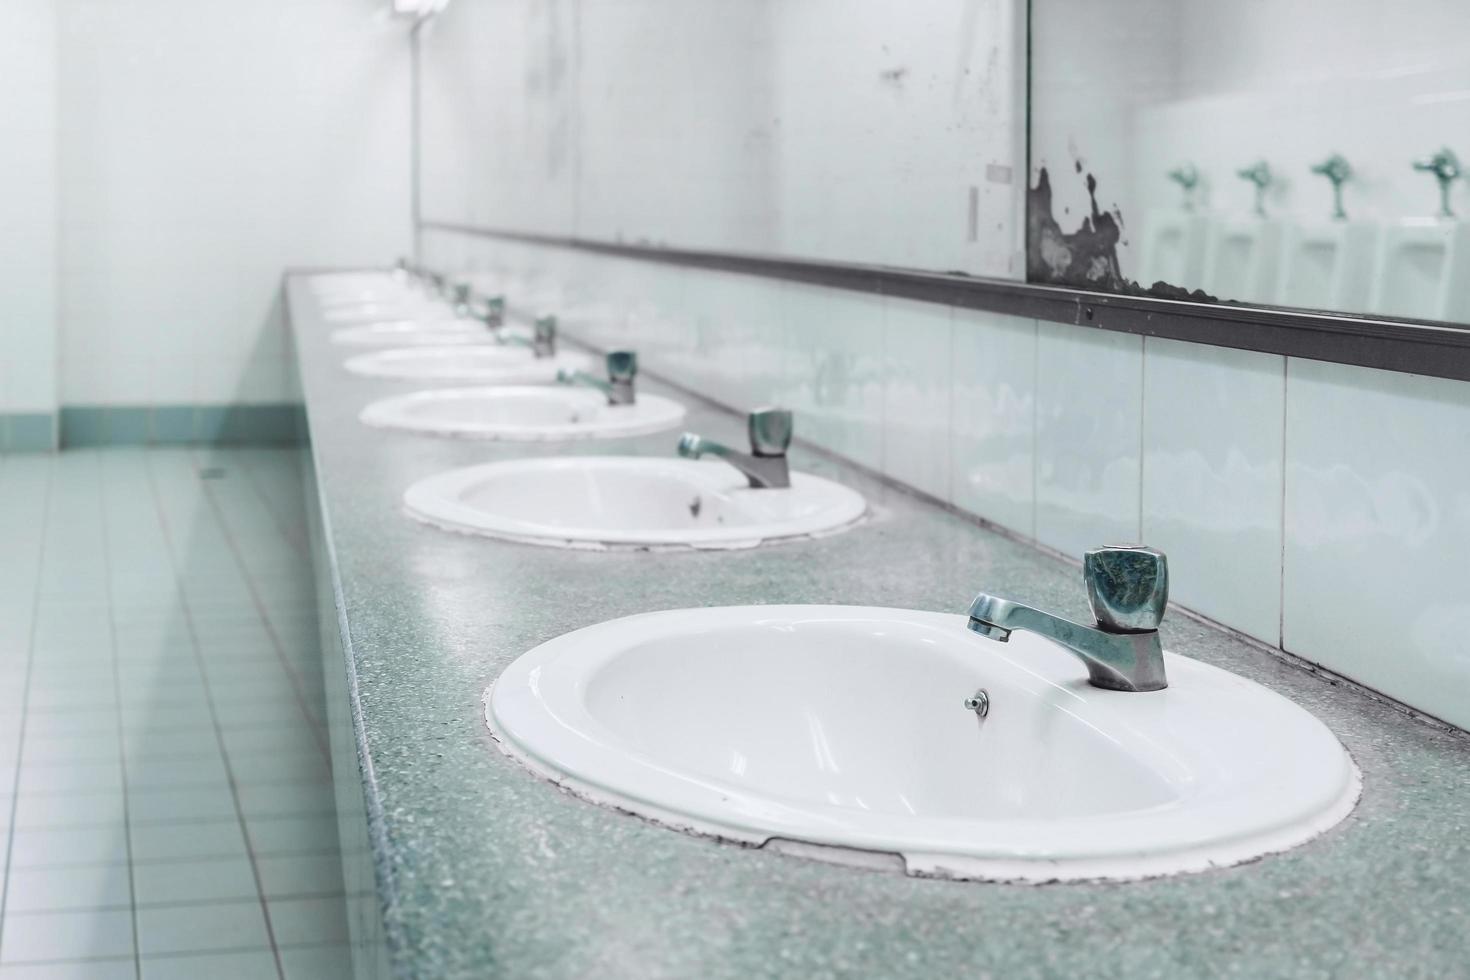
[(836, 381), (1212, 456), (28, 290), (916, 394), (1377, 530), (738, 356), (993, 419), (1089, 405)]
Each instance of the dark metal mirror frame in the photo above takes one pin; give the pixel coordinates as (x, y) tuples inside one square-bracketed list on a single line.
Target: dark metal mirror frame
[(1413, 346)]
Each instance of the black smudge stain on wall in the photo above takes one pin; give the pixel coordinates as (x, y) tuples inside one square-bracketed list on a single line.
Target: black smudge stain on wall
[(1088, 257)]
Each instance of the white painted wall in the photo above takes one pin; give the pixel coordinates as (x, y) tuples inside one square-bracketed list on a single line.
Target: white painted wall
[(813, 128), (203, 148), (28, 296)]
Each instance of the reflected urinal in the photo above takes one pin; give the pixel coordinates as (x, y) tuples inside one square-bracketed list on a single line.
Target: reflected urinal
[(1173, 248), (1423, 270), (1328, 265), (1242, 258)]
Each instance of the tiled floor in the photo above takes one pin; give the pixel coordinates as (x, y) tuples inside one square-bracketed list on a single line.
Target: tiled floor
[(165, 802)]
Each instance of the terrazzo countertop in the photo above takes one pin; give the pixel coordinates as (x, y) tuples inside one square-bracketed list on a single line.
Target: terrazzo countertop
[(490, 872)]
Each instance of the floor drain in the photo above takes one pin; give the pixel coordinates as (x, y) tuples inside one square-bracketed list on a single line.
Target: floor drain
[(212, 473)]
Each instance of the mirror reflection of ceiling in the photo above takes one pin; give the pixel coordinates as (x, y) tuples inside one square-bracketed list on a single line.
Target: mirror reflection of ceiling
[(1300, 153)]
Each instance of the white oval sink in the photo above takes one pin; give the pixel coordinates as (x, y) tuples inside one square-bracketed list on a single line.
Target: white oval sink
[(487, 363), (629, 502), (334, 287), (842, 732), (522, 414), (427, 332), (386, 309)]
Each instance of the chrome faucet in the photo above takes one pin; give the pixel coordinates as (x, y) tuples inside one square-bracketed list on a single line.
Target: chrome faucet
[(622, 368), (494, 315), (461, 299), (765, 465), (542, 340), (1127, 588)]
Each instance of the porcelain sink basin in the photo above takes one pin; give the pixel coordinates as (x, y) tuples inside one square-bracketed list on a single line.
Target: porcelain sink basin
[(441, 331), (369, 311), (843, 733), (522, 414), (629, 502), (484, 363)]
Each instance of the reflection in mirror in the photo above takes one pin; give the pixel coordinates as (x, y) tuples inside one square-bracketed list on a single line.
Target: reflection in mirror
[(1298, 153), (861, 131)]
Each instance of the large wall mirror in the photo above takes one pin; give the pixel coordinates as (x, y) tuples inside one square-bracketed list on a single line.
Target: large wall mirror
[(1290, 153), (856, 131), (1278, 175)]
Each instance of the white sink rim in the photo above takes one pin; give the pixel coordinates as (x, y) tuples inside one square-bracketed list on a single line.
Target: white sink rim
[(354, 311), (441, 332), (649, 414), (537, 715), (436, 500), (520, 365)]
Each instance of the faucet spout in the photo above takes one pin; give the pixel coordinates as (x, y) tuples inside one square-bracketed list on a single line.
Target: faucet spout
[(1127, 588), (765, 466), (622, 368), (762, 472), (1115, 661), (542, 343)]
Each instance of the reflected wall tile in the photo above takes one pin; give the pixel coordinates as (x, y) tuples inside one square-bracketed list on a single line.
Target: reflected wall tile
[(836, 383), (1212, 459), (723, 309), (740, 325), (1089, 406), (993, 418), (1377, 530), (916, 394)]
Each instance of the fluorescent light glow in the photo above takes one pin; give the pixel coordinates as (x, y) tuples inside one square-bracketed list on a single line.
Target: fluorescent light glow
[(418, 8)]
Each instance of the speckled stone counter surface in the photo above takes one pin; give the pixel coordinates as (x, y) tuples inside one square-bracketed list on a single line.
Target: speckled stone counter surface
[(488, 872)]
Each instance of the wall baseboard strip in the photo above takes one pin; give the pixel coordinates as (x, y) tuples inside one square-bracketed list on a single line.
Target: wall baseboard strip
[(27, 432), (280, 424)]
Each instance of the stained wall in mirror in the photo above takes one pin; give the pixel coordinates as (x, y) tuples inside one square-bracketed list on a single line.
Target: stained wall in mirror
[(848, 130), (1300, 153)]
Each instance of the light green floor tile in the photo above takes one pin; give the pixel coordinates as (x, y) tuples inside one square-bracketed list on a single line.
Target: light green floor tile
[(253, 965), (180, 882), (201, 928)]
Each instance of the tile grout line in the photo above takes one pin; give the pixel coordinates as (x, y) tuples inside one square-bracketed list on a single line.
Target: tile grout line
[(30, 663), (190, 903), (172, 548), (178, 954), (122, 753), (260, 608)]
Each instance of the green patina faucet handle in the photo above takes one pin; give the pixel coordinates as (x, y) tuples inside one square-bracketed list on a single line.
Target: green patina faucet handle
[(1258, 173), (1336, 169), (1187, 177), (1446, 169)]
